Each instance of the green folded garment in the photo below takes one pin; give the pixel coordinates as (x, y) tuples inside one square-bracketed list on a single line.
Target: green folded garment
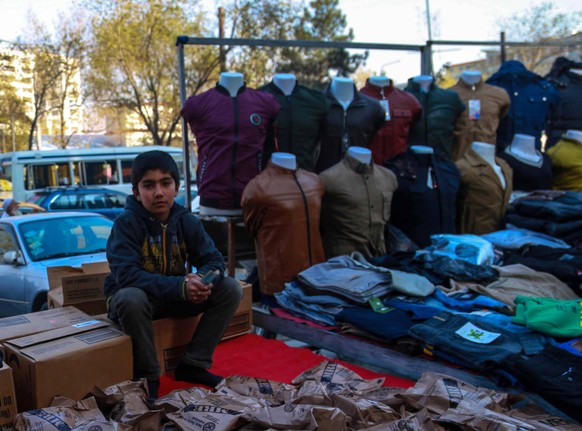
[(555, 317)]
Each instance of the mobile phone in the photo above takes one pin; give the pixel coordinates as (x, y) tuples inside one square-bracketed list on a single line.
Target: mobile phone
[(209, 277)]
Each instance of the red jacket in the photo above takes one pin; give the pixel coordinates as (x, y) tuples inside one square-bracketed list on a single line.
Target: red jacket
[(392, 138)]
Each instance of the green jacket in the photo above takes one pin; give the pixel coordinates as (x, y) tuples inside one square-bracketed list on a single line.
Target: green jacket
[(441, 109), (356, 207), (299, 126)]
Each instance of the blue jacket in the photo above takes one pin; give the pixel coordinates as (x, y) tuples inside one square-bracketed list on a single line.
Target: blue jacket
[(144, 253), (532, 101)]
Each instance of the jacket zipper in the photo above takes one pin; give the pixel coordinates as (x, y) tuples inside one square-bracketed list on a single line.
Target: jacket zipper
[(164, 254), (234, 151), (306, 218), (290, 130)]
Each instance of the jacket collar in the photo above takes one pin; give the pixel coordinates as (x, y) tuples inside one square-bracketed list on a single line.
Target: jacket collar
[(358, 100), (476, 161), (475, 87), (415, 86), (272, 86), (279, 170), (383, 91), (224, 91), (357, 166)]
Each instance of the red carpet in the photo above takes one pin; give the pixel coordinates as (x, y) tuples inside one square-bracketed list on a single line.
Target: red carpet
[(255, 356)]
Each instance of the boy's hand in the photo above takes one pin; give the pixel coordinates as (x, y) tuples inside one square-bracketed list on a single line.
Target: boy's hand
[(196, 291)]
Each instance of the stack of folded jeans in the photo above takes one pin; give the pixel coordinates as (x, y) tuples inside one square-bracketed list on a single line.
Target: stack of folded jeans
[(347, 278), (556, 214)]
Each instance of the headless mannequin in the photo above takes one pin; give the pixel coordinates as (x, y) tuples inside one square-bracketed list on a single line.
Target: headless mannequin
[(232, 81), (523, 147), (471, 77), (575, 135), (424, 81), (487, 153), (379, 81), (343, 90), (284, 160), (285, 82), (362, 155)]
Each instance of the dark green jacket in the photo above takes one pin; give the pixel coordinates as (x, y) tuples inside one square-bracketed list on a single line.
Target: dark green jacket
[(298, 127), (441, 110)]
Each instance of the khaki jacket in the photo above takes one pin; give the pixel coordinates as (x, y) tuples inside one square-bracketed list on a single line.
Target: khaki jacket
[(481, 202), (356, 207), (494, 103), (281, 210)]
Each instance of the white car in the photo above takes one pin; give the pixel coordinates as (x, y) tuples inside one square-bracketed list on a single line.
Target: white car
[(31, 243)]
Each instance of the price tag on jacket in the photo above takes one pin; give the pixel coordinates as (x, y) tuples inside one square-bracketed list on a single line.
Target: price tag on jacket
[(386, 107), (474, 109)]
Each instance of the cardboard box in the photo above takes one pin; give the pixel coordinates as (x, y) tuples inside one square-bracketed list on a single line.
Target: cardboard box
[(81, 287), (26, 324), (55, 299), (8, 408), (68, 361), (172, 335)]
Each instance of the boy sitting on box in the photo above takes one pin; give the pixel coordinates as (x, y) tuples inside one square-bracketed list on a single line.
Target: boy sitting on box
[(150, 245)]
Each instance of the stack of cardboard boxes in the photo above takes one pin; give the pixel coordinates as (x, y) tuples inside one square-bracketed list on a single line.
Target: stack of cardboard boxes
[(72, 347)]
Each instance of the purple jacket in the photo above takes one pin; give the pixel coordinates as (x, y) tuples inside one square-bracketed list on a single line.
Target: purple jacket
[(230, 134)]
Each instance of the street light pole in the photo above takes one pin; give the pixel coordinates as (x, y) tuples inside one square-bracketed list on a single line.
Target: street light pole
[(428, 27)]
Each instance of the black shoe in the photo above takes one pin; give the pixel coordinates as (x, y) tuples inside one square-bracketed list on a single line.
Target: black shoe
[(153, 388), (193, 374)]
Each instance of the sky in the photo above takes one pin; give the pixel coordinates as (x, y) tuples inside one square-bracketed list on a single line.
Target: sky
[(374, 21)]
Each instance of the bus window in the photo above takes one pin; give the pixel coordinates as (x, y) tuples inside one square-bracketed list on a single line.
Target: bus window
[(101, 172), (50, 175), (126, 170)]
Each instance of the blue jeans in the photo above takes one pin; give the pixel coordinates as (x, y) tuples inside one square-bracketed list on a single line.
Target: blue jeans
[(134, 311), (439, 334)]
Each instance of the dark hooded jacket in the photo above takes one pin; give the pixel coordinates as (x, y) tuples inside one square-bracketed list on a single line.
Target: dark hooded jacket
[(568, 116), (356, 126), (533, 99), (145, 253)]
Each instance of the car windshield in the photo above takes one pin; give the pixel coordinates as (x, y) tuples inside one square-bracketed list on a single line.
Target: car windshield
[(60, 237)]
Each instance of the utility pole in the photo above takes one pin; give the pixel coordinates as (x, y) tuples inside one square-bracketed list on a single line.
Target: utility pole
[(429, 43), (221, 52)]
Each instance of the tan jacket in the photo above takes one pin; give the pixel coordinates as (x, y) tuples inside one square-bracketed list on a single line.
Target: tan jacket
[(281, 210), (494, 103), (481, 202), (356, 207)]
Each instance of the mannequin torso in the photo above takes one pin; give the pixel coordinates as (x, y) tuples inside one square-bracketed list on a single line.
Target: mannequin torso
[(343, 90), (487, 153), (471, 77), (362, 155), (232, 81), (285, 82), (523, 148), (284, 160), (424, 81)]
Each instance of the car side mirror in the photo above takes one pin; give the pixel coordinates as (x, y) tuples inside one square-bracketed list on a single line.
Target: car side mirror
[(13, 258)]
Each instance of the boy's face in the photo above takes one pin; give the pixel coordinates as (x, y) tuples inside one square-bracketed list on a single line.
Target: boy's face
[(156, 191)]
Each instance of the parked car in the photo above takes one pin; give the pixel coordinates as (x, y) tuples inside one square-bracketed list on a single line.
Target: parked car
[(110, 203), (31, 243)]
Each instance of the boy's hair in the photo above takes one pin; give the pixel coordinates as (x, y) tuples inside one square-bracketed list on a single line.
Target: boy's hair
[(152, 160)]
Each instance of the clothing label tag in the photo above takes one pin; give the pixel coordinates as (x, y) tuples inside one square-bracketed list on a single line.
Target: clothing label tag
[(471, 333), (386, 107), (474, 109), (429, 181), (378, 306)]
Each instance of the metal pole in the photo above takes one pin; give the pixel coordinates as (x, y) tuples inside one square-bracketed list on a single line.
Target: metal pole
[(503, 53), (185, 143), (428, 20), (221, 53)]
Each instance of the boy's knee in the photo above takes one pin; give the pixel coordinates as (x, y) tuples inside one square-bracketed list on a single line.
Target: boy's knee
[(131, 299), (233, 289)]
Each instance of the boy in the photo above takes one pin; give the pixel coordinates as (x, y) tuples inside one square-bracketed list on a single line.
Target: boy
[(150, 245)]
